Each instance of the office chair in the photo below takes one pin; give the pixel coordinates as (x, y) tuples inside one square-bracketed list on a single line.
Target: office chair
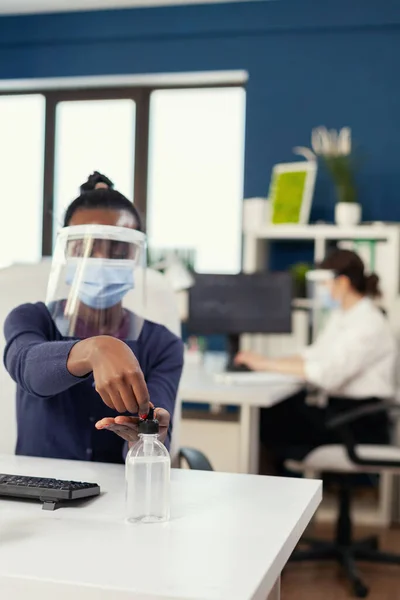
[(194, 459), (345, 461)]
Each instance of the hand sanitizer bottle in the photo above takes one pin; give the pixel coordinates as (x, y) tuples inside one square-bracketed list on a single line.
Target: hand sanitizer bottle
[(148, 467)]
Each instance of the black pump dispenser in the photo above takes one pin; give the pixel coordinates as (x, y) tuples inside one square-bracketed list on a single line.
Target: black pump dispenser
[(149, 425)]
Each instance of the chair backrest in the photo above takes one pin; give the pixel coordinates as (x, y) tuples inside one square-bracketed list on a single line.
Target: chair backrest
[(28, 283)]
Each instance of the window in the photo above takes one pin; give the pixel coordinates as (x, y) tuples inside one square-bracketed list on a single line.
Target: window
[(96, 135), (177, 152), (22, 158), (195, 185)]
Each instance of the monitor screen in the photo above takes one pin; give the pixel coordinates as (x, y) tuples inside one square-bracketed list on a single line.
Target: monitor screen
[(237, 304)]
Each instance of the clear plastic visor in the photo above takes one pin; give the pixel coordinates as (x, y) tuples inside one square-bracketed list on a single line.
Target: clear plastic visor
[(97, 282), (319, 286)]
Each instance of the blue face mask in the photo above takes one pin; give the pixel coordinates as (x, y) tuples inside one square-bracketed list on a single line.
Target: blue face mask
[(103, 282), (326, 301)]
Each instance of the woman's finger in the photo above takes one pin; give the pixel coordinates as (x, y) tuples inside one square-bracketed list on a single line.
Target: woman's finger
[(239, 358), (114, 392), (140, 392), (162, 416), (122, 420), (128, 398), (105, 396), (103, 423)]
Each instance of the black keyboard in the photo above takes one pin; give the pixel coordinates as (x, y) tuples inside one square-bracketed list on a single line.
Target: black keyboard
[(48, 491)]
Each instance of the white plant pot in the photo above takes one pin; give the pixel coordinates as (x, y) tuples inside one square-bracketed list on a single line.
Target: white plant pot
[(347, 214), (255, 213)]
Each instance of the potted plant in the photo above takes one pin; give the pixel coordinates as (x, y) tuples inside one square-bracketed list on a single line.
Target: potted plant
[(299, 274), (334, 148)]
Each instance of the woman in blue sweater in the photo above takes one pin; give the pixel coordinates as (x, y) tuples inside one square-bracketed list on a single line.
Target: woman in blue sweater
[(84, 363)]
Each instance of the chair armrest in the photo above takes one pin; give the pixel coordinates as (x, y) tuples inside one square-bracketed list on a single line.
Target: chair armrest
[(363, 411), (341, 424), (195, 459)]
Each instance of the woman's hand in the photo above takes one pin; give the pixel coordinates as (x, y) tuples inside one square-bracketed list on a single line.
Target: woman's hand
[(255, 362), (117, 374), (290, 365), (127, 427)]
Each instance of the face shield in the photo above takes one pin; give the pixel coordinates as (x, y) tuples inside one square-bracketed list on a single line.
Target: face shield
[(97, 282), (319, 287)]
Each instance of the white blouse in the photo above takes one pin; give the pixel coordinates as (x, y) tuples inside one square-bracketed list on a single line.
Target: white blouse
[(355, 355)]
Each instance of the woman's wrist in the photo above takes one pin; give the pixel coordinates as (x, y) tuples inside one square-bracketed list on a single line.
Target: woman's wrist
[(267, 364), (84, 355), (79, 361)]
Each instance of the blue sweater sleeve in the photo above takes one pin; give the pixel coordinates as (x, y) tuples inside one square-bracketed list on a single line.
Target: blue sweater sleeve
[(164, 375), (32, 357)]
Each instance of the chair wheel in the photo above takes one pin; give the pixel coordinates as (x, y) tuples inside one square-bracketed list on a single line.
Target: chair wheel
[(360, 590)]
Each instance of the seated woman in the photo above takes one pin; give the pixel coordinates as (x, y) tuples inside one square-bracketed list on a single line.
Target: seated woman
[(84, 362), (352, 361)]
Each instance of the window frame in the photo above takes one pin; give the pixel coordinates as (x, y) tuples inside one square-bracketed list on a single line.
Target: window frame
[(141, 96)]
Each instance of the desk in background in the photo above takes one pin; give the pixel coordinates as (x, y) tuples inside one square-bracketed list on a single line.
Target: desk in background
[(230, 536), (198, 385)]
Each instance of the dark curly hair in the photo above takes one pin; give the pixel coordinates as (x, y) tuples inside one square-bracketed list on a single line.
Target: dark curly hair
[(104, 197)]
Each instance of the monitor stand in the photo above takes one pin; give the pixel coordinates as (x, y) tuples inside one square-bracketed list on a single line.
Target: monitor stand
[(233, 349)]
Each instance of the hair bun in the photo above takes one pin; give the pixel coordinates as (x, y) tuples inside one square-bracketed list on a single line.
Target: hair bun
[(93, 180)]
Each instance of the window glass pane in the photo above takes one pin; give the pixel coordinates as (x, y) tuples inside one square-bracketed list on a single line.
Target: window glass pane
[(95, 135), (196, 174), (22, 159)]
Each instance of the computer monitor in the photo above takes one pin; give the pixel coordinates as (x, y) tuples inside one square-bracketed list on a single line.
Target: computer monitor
[(236, 304)]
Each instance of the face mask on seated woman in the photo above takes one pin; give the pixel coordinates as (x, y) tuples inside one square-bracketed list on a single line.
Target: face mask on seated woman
[(326, 300)]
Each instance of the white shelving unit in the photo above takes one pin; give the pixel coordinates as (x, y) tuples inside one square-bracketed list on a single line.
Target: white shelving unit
[(381, 240), (382, 243), (384, 238)]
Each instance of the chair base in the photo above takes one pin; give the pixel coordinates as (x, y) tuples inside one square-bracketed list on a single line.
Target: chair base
[(347, 555)]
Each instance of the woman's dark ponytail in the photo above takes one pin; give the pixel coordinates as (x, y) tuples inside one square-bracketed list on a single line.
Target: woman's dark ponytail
[(372, 288), (349, 264)]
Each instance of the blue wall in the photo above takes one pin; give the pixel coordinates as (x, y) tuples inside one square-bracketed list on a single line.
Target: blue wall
[(310, 62)]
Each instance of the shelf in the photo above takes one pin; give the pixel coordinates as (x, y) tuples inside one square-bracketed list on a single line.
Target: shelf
[(378, 232), (302, 303)]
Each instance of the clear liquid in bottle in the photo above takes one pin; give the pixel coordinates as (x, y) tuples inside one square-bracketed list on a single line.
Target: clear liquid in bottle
[(148, 467)]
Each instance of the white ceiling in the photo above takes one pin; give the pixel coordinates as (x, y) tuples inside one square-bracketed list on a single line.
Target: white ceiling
[(49, 6)]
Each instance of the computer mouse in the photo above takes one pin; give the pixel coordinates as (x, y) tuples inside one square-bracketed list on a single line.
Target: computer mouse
[(234, 368)]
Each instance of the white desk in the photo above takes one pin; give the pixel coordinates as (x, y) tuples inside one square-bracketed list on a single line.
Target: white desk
[(229, 537), (199, 385)]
